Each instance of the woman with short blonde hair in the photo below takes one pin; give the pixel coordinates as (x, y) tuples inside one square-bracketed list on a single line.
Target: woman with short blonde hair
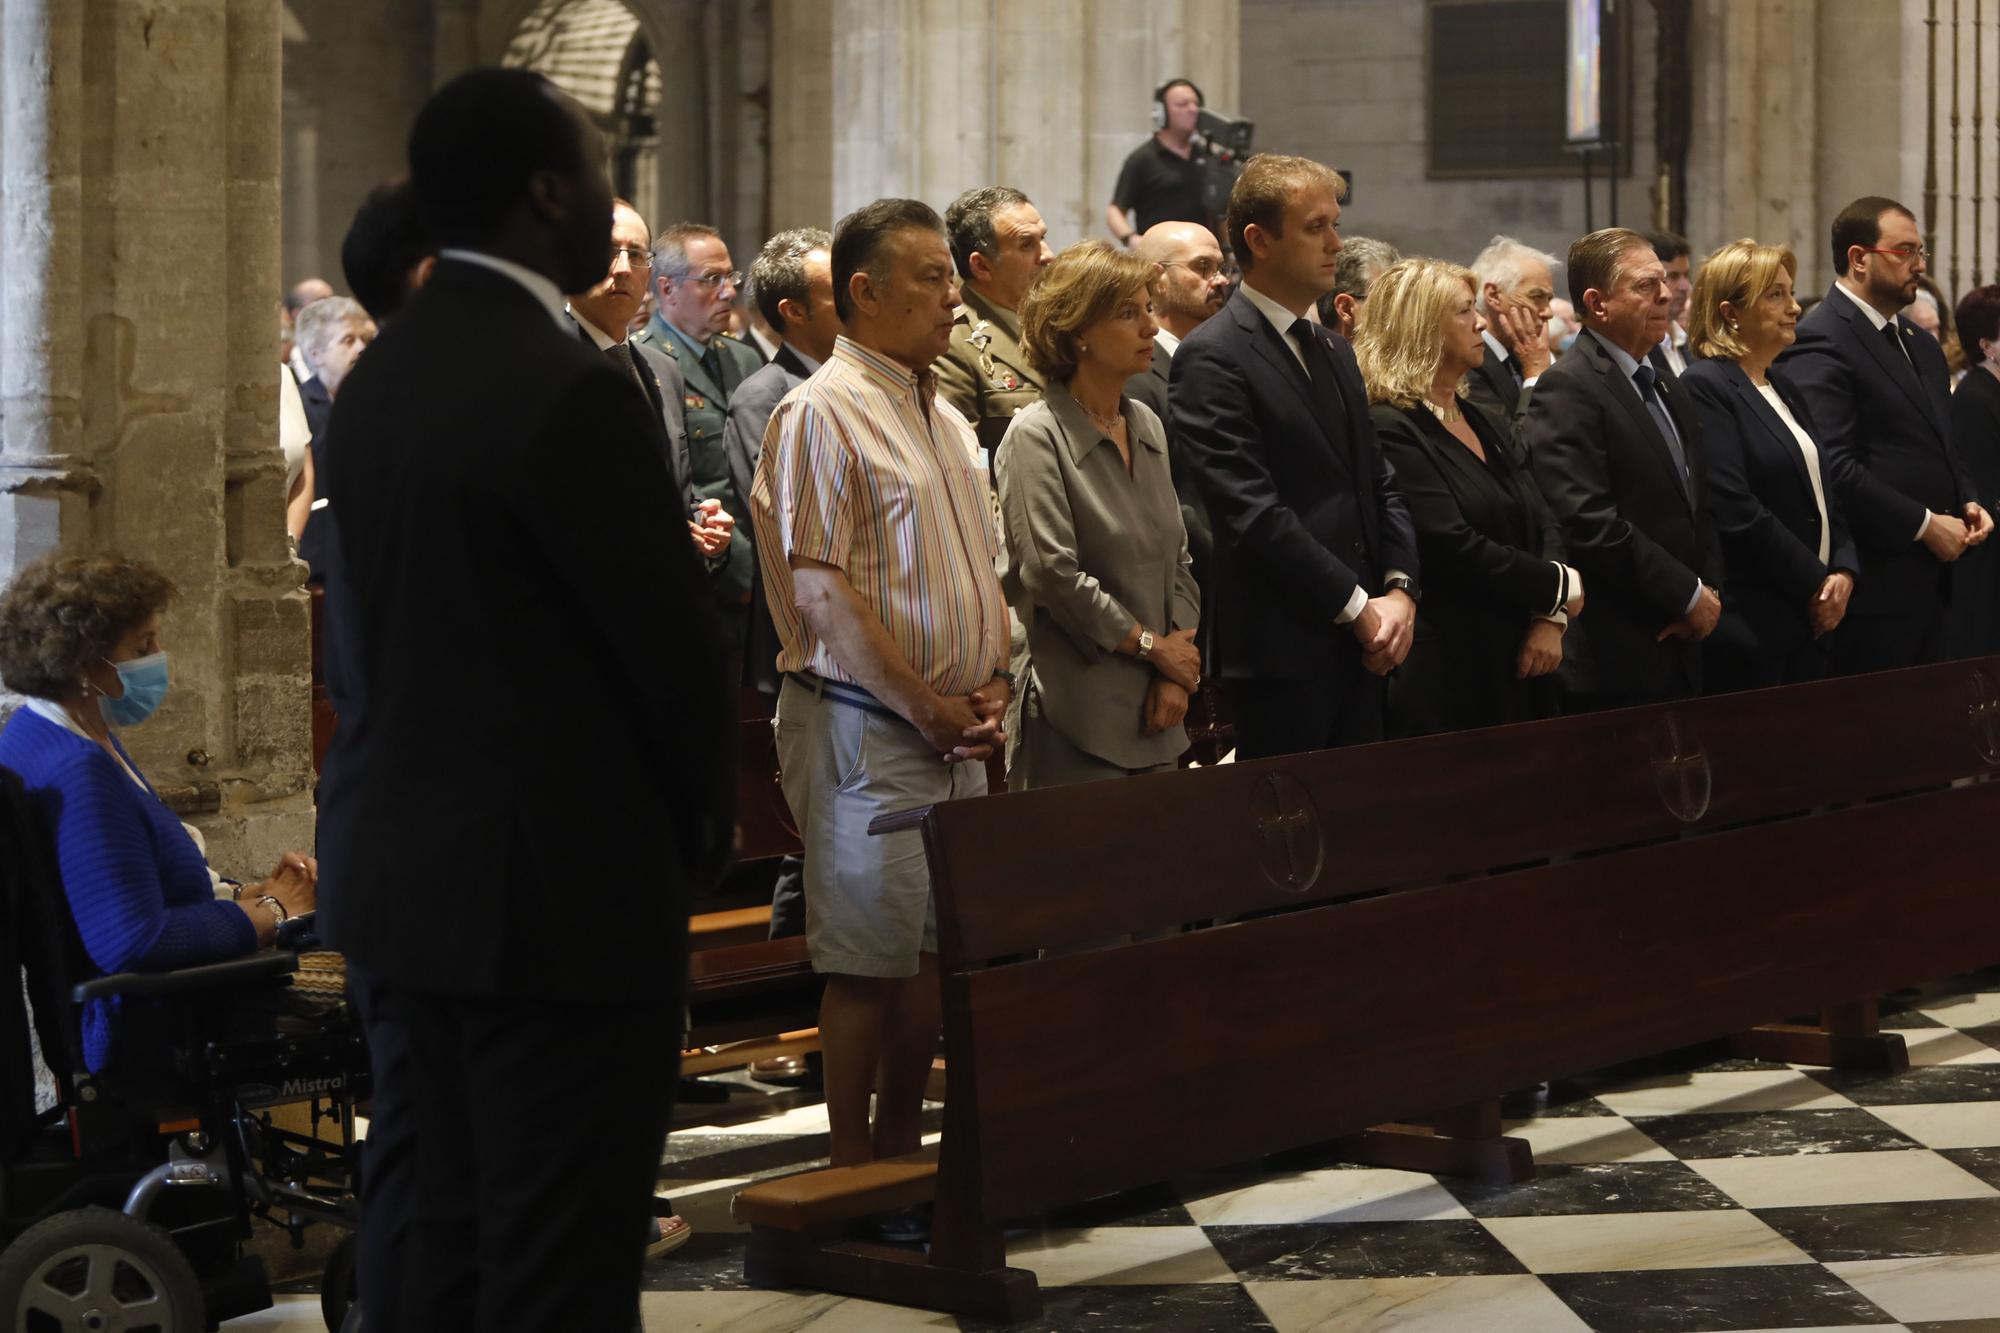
[(1498, 590), (1096, 561), (1784, 538)]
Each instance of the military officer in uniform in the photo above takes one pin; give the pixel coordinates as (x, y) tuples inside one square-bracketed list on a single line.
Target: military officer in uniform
[(1000, 244), (694, 286)]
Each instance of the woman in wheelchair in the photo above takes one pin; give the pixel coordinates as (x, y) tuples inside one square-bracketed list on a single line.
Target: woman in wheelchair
[(80, 638)]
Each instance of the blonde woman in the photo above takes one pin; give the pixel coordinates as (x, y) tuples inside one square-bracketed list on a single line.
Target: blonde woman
[(1784, 538), (1498, 590), (1096, 561)]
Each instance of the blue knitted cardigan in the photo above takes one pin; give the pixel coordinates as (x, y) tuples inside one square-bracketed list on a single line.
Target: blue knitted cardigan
[(136, 883)]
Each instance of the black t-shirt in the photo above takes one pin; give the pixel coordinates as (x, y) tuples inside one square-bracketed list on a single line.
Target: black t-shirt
[(1159, 185)]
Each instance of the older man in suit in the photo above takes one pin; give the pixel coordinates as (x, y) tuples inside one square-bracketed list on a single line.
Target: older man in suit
[(1314, 585), (1880, 395), (539, 649), (1617, 453), (1189, 285), (1516, 290)]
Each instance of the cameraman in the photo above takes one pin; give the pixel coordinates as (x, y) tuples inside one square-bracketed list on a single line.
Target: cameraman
[(1164, 178)]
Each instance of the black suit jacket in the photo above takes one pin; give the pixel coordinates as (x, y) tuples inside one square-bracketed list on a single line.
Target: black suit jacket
[(313, 542), (660, 376), (1490, 550), (1761, 495), (1885, 422), (1305, 509), (537, 777), (1639, 536), (750, 409), (1492, 388), (1975, 577), (1150, 387)]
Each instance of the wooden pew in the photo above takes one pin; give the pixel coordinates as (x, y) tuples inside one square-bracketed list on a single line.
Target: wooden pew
[(1536, 901)]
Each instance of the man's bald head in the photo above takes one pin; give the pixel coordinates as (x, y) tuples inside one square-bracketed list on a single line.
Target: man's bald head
[(1190, 285)]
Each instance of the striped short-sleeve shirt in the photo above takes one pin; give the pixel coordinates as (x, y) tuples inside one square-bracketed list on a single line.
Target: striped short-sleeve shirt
[(864, 469)]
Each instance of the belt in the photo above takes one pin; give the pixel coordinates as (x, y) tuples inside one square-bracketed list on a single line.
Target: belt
[(840, 692)]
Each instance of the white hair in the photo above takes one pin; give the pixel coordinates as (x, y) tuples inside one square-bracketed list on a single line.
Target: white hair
[(1502, 263), (322, 321)]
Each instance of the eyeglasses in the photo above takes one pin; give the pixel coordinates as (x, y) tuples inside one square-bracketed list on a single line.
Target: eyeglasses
[(1900, 251), (714, 280), (1201, 268), (636, 256)]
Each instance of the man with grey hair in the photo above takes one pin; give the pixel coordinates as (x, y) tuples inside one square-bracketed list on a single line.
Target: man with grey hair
[(999, 243), (1362, 260), (1516, 285), (297, 297), (332, 332), (694, 284)]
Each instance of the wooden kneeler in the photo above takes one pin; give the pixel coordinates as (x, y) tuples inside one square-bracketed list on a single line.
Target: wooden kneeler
[(1848, 1036), (795, 1241)]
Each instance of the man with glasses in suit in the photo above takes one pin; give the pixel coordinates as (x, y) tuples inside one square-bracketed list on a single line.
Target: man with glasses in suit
[(1881, 395)]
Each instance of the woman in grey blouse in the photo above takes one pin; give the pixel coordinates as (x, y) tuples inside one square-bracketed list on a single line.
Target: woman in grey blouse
[(1096, 562)]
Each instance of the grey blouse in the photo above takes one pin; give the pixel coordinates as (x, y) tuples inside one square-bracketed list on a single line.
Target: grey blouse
[(1089, 550)]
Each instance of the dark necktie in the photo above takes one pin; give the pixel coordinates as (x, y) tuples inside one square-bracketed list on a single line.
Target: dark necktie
[(1894, 333), (711, 361), (1644, 377), (622, 353), (1319, 370), (1513, 364)]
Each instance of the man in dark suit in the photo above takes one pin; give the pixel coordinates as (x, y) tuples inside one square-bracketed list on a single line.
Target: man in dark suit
[(1315, 557), (1617, 454), (1516, 288), (1880, 394), (536, 778), (601, 317), (793, 279), (1189, 287)]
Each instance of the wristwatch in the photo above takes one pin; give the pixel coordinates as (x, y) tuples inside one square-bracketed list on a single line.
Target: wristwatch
[(1404, 584), (1145, 643)]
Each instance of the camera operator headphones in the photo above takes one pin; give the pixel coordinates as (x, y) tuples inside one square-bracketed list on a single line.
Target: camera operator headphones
[(1160, 99)]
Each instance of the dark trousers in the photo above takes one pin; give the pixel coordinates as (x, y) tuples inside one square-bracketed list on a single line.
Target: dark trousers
[(388, 1164), (541, 1127), (788, 899), (1294, 716), (1887, 643)]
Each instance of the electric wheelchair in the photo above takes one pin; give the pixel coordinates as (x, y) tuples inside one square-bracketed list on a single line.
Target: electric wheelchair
[(128, 1204)]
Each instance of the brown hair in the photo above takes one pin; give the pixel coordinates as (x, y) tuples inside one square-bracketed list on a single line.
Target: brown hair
[(1084, 284), (1593, 261), (1268, 182), (64, 612), (1739, 273)]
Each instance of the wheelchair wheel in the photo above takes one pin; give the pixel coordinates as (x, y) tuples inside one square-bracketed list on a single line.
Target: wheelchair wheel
[(340, 1289), (94, 1269)]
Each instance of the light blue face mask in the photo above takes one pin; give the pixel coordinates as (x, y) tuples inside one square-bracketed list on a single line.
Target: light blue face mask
[(145, 680)]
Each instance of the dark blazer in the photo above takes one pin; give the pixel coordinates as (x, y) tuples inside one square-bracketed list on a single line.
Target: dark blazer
[(1490, 550), (1493, 388), (1975, 594), (660, 377), (750, 410), (543, 709), (1305, 508), (1885, 421), (318, 405), (1761, 496), (1150, 387), (1639, 535)]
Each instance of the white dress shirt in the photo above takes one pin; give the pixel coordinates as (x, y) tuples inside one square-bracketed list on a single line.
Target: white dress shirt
[(1167, 343), (1811, 452), (1670, 347), (539, 287)]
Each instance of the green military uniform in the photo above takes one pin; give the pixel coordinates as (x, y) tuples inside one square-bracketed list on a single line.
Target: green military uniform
[(984, 373), (710, 381)]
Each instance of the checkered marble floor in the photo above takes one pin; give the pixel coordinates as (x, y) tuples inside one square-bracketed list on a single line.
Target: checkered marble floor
[(1678, 1197)]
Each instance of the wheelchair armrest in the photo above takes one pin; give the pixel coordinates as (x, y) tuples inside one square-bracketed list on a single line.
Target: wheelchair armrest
[(258, 966), (300, 934)]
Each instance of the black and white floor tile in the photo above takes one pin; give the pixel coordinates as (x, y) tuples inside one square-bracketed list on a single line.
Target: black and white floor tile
[(1683, 1198)]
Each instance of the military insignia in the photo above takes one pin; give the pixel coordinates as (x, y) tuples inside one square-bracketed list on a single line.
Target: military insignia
[(694, 402)]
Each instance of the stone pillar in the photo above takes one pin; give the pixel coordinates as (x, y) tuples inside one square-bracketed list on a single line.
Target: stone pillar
[(801, 161), (454, 39), (138, 373), (930, 99)]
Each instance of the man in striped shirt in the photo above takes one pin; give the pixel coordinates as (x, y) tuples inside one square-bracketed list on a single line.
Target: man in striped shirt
[(877, 548)]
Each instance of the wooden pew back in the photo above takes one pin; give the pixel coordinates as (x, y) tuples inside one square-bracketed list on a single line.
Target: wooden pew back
[(1725, 861)]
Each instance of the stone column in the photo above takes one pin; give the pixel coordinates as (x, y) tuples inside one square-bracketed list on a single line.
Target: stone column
[(138, 372), (801, 114), (454, 39)]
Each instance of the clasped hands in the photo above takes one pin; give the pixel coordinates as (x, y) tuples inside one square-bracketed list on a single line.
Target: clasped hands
[(1384, 628), (711, 528), (1948, 538), (967, 726)]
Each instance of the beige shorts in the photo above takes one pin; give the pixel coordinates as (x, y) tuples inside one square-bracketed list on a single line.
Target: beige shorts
[(869, 911)]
